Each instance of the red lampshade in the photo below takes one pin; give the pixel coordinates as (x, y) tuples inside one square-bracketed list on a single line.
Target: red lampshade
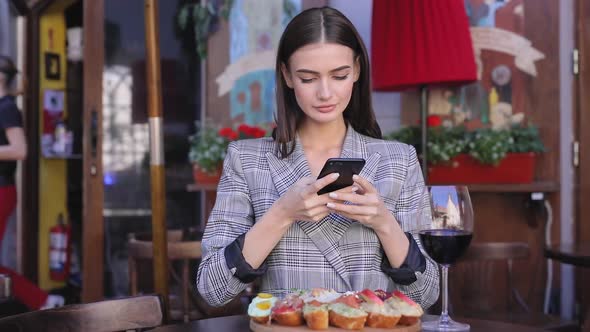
[(419, 42)]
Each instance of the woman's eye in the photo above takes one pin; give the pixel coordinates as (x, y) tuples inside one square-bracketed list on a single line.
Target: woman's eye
[(306, 80), (341, 78)]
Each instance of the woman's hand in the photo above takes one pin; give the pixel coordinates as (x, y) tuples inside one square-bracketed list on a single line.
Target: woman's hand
[(366, 206), (301, 201)]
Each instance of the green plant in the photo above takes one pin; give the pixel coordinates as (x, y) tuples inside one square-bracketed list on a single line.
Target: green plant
[(526, 139), (207, 149), (209, 144), (445, 143), (408, 135), (485, 145), (489, 146)]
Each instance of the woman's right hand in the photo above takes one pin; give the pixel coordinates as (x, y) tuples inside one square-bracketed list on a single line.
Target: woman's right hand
[(301, 201)]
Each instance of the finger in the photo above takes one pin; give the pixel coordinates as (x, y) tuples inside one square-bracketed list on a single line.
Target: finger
[(326, 180), (357, 210), (306, 180), (366, 186), (315, 214), (319, 213), (349, 189), (353, 198), (317, 201)]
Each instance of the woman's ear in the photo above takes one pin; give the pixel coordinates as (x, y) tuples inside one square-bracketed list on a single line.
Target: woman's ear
[(357, 68), (286, 75)]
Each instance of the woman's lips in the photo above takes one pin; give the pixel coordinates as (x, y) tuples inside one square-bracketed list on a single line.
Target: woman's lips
[(325, 108)]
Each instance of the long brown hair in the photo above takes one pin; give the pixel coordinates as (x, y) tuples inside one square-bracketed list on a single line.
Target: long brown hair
[(312, 26)]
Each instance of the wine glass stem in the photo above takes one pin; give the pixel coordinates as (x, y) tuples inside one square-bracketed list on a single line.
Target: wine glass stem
[(444, 315)]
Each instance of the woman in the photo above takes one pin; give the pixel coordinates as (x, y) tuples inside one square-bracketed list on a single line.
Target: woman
[(269, 221), (13, 147)]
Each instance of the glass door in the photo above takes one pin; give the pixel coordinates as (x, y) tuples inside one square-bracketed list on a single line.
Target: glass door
[(122, 127)]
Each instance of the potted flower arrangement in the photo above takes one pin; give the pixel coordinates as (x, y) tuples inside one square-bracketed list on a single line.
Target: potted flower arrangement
[(208, 147), (456, 155)]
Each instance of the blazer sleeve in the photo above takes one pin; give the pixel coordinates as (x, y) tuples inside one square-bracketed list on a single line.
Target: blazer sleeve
[(231, 217), (411, 205)]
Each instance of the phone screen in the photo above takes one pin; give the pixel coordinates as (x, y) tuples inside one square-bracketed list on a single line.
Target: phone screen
[(346, 167)]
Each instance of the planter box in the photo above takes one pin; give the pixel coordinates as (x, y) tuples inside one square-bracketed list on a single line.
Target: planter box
[(202, 177), (463, 169)]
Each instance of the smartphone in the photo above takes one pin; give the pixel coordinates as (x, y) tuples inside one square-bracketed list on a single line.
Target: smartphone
[(346, 167)]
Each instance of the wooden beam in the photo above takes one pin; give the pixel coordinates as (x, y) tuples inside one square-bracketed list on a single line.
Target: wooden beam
[(93, 192), (158, 183)]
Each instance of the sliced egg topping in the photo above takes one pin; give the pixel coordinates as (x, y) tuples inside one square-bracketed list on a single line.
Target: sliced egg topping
[(264, 295), (263, 305)]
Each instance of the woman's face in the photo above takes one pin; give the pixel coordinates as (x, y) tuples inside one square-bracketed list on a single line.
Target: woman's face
[(322, 76)]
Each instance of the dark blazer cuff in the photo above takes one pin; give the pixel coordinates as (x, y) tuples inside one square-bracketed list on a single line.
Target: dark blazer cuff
[(406, 273), (237, 263)]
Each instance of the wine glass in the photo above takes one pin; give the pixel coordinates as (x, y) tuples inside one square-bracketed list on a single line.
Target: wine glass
[(445, 239)]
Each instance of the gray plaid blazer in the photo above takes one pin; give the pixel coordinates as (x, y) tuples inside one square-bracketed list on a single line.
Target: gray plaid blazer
[(337, 252)]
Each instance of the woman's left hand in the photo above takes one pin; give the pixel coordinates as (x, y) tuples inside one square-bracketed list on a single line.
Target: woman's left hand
[(366, 206)]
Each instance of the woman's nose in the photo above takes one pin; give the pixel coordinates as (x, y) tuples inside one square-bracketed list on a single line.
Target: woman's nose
[(324, 91)]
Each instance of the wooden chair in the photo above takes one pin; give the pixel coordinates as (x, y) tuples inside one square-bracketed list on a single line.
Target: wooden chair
[(133, 313), (475, 292), (184, 247)]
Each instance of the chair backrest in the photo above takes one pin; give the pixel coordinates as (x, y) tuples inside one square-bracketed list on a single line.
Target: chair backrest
[(141, 246), (482, 281), (124, 314), (182, 246)]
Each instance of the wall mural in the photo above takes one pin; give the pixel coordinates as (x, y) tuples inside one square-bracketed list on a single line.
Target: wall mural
[(504, 58), (255, 29)]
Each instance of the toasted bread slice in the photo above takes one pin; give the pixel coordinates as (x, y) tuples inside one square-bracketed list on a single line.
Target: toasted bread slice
[(382, 321), (288, 311), (321, 295), (288, 317), (316, 316), (259, 311), (410, 310), (261, 320), (346, 317), (380, 315)]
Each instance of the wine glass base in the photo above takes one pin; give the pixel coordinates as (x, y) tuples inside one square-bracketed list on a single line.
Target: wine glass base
[(444, 325)]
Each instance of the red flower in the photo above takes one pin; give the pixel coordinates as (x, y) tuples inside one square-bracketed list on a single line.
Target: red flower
[(433, 121), (244, 129), (228, 133), (258, 132)]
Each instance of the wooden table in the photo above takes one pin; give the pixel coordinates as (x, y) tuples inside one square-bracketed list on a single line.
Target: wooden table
[(575, 254), (241, 323)]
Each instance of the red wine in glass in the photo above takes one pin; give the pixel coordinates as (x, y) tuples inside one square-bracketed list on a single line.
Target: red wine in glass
[(446, 229), (444, 246)]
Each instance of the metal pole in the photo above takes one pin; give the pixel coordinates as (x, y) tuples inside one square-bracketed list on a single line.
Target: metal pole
[(157, 175), (424, 129)]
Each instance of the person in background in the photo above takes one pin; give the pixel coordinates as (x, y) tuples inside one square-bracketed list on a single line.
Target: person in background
[(269, 222), (13, 147)]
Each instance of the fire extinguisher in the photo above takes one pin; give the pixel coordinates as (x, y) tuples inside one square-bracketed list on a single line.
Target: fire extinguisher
[(59, 247)]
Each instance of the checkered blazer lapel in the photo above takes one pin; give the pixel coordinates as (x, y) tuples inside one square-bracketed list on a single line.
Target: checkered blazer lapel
[(326, 233)]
